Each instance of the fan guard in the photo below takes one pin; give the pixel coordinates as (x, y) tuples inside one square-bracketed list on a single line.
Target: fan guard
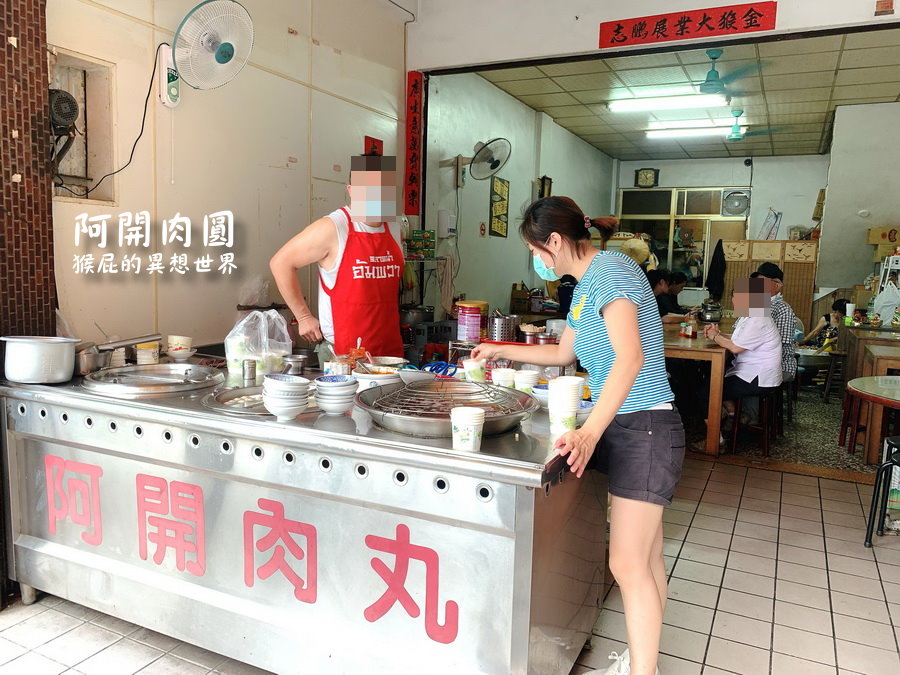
[(213, 43), (735, 203), (489, 158)]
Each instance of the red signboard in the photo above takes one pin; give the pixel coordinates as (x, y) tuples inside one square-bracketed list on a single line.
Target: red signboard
[(412, 184), (373, 146), (688, 25)]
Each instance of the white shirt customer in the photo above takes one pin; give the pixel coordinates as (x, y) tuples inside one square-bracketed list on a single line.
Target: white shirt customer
[(760, 339)]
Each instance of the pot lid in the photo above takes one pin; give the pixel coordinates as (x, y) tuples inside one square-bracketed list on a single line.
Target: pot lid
[(150, 381)]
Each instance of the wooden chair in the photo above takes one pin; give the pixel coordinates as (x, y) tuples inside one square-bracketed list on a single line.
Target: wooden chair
[(878, 509), (767, 425), (835, 377)]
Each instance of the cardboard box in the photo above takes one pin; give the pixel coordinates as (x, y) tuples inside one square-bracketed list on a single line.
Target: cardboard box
[(518, 300), (888, 234), (883, 250)]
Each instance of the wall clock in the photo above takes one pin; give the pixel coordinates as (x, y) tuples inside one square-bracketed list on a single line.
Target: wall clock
[(800, 251), (767, 250), (646, 178), (736, 250)]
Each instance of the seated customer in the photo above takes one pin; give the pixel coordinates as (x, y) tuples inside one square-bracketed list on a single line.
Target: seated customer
[(828, 326), (659, 284), (756, 343), (677, 282)]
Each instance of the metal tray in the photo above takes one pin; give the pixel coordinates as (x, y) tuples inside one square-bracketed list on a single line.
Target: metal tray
[(239, 401), (516, 406), (149, 381)]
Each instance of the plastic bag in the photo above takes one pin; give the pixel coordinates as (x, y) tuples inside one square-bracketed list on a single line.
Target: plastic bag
[(261, 336), (886, 301)]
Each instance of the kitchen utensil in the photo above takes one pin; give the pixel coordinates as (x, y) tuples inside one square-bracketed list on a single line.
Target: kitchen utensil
[(502, 329), (181, 354), (412, 315), (295, 364), (361, 364), (152, 381), (39, 360), (410, 376), (710, 312), (239, 401), (441, 368), (88, 361), (423, 408), (103, 332)]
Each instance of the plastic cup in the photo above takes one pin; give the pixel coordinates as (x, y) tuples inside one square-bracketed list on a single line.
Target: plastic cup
[(525, 380), (504, 377), (474, 368), (467, 423)]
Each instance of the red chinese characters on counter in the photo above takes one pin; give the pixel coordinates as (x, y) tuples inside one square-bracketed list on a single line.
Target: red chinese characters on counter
[(403, 552), (76, 499), (280, 537), (184, 531), (690, 24)]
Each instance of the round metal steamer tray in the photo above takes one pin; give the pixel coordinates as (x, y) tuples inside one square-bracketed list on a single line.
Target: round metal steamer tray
[(152, 381), (423, 408), (242, 401)]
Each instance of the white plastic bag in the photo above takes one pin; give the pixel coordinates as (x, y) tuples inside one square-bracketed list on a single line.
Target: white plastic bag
[(886, 301), (261, 336)]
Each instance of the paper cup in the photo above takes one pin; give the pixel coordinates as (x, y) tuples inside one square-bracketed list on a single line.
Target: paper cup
[(179, 342), (525, 380), (467, 423), (504, 377), (851, 307), (146, 353), (474, 369)]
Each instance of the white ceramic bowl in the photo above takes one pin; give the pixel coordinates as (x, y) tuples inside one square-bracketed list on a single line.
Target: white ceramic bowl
[(181, 354), (283, 410), (282, 382), (584, 409), (334, 407), (289, 395), (367, 381), (541, 393)]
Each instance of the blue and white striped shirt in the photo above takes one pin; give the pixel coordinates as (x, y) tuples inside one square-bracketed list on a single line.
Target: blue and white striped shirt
[(613, 275)]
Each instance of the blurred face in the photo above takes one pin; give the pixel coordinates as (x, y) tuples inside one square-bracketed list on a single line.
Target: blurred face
[(373, 196), (775, 285), (675, 289), (752, 297)]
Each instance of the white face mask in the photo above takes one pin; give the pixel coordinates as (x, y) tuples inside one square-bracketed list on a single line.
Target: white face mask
[(373, 203)]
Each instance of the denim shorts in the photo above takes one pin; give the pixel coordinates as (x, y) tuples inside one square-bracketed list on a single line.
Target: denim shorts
[(642, 453)]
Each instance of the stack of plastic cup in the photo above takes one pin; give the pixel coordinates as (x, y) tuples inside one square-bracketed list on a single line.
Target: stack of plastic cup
[(504, 377), (467, 424), (474, 368), (564, 397), (525, 380)]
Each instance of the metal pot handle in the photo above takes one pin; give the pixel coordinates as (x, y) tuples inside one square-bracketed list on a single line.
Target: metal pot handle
[(106, 346)]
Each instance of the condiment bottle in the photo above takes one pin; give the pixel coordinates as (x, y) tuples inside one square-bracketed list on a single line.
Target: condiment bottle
[(692, 328)]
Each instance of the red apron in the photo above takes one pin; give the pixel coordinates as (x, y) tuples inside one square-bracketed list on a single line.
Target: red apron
[(365, 297)]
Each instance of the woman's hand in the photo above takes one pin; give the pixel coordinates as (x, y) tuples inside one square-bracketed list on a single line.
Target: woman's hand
[(488, 352), (579, 446)]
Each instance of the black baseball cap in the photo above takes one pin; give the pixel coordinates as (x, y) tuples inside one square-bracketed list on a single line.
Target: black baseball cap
[(771, 271)]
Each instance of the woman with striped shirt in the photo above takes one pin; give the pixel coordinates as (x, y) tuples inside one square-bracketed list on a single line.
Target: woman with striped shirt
[(634, 434)]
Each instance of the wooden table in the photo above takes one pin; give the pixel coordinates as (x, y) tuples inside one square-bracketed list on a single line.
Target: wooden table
[(877, 360), (857, 340), (701, 349), (880, 391)]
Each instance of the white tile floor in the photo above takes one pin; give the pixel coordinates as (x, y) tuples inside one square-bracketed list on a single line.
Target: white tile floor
[(769, 576)]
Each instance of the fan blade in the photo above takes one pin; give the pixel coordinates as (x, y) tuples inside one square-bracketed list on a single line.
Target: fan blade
[(741, 72), (765, 132)]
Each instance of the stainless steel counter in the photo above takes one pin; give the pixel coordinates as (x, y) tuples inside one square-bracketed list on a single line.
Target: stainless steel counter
[(322, 545)]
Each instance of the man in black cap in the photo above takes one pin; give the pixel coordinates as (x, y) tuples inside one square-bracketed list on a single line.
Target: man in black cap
[(784, 318)]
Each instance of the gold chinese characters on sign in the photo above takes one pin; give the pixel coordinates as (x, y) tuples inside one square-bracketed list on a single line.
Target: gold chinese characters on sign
[(499, 207)]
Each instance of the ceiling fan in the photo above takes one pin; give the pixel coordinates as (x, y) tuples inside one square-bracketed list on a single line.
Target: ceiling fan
[(715, 82), (738, 132)]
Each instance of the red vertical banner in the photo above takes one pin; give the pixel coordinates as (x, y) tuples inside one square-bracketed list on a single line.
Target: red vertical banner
[(412, 185)]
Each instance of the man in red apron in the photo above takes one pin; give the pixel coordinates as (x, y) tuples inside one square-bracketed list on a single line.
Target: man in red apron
[(360, 263)]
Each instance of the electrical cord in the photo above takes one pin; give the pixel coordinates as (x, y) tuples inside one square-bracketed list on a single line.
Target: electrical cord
[(403, 8), (456, 236), (133, 147)]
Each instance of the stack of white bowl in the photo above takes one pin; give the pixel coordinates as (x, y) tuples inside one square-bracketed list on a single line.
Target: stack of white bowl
[(285, 396), (335, 393)]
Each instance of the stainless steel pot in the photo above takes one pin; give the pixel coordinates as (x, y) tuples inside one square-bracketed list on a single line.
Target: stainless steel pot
[(710, 312), (412, 316), (39, 360), (89, 361)]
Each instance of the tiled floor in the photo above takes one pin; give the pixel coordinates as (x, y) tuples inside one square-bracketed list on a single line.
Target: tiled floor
[(56, 636), (768, 576)]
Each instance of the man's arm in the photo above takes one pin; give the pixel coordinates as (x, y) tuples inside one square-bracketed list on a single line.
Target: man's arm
[(317, 243)]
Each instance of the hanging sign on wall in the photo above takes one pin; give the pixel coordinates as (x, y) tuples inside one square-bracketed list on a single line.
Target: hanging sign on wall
[(689, 25), (414, 108), (499, 206)]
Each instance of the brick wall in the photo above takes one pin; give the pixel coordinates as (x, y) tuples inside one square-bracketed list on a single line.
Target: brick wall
[(27, 284)]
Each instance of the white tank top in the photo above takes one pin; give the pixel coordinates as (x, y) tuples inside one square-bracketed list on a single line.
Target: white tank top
[(328, 277)]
